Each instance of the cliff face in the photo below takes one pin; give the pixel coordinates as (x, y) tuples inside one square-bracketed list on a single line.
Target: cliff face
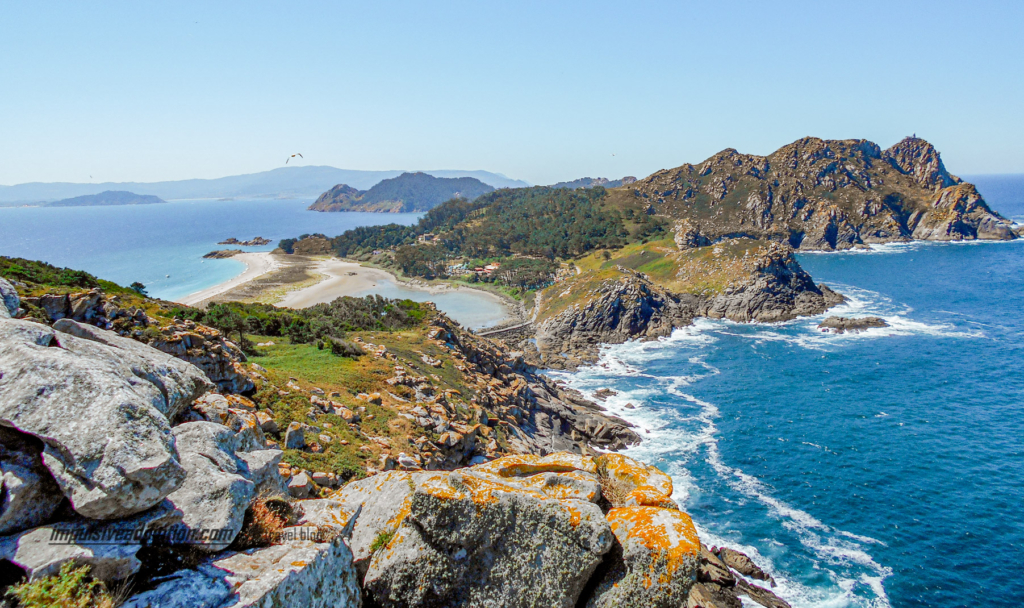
[(823, 195), (760, 282)]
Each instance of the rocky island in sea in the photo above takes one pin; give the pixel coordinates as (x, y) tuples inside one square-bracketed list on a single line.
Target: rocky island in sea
[(373, 452)]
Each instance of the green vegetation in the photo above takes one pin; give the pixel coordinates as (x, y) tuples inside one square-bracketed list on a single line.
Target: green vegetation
[(320, 322), (40, 275), (382, 540), (71, 588)]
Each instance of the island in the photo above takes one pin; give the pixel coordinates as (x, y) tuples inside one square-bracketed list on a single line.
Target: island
[(407, 193), (256, 242), (108, 198)]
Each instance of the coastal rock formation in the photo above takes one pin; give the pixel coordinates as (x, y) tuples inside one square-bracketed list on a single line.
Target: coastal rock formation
[(823, 195), (616, 311), (841, 325), (255, 242), (100, 404), (767, 285), (205, 347), (517, 531), (221, 254), (777, 289)]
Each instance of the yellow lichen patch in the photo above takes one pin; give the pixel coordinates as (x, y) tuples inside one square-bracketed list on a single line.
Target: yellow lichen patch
[(649, 496), (519, 465), (625, 469), (573, 484), (668, 534)]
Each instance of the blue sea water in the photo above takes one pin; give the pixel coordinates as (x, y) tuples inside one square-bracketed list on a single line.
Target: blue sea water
[(146, 243), (877, 469)]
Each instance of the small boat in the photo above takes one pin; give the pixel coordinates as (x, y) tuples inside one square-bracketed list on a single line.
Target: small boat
[(167, 276)]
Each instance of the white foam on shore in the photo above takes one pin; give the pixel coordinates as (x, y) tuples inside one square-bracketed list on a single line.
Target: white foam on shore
[(674, 436)]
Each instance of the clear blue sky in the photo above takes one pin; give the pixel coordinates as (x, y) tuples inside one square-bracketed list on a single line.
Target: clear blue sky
[(541, 91)]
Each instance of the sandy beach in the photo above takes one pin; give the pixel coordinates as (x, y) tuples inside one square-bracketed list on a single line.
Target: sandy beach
[(256, 264)]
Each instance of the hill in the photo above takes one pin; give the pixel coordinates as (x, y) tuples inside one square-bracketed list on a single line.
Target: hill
[(284, 182), (110, 197), (591, 182), (408, 192), (820, 195)]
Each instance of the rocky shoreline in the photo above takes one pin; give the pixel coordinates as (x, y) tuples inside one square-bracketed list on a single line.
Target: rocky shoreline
[(635, 307)]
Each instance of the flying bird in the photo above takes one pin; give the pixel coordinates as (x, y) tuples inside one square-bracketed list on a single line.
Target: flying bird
[(292, 156)]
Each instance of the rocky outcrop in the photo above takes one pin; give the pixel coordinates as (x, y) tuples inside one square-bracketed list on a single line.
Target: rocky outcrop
[(959, 214), (841, 325), (100, 405), (307, 569), (258, 241), (517, 531), (221, 254), (541, 416), (9, 301), (777, 289), (205, 347), (771, 287), (821, 195), (616, 311), (29, 496), (109, 548), (209, 350)]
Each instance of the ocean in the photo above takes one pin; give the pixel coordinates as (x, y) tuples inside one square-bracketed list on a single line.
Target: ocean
[(162, 246), (877, 469)]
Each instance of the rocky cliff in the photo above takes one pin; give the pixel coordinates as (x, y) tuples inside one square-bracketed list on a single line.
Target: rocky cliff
[(752, 281), (823, 195)]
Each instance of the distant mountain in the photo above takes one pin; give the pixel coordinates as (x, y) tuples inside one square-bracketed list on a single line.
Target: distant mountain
[(285, 182), (409, 192), (590, 182), (110, 197)]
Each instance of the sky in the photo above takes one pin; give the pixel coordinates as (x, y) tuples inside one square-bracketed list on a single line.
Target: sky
[(540, 91)]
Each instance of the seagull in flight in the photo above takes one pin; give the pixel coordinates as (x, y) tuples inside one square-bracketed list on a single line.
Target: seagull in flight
[(292, 156)]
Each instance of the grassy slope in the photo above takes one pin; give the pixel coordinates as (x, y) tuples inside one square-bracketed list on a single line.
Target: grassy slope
[(701, 271)]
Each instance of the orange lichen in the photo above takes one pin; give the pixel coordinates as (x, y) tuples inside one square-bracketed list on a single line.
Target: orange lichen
[(668, 534)]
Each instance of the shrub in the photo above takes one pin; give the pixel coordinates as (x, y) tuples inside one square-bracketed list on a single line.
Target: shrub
[(344, 348), (262, 525), (71, 588)]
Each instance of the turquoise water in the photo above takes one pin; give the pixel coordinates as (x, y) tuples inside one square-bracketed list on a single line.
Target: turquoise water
[(877, 469), (147, 243)]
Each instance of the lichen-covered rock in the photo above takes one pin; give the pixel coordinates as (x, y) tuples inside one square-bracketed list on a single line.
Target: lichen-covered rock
[(471, 541), (216, 491), (300, 573), (655, 562), (108, 547), (100, 405), (29, 496), (9, 301)]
